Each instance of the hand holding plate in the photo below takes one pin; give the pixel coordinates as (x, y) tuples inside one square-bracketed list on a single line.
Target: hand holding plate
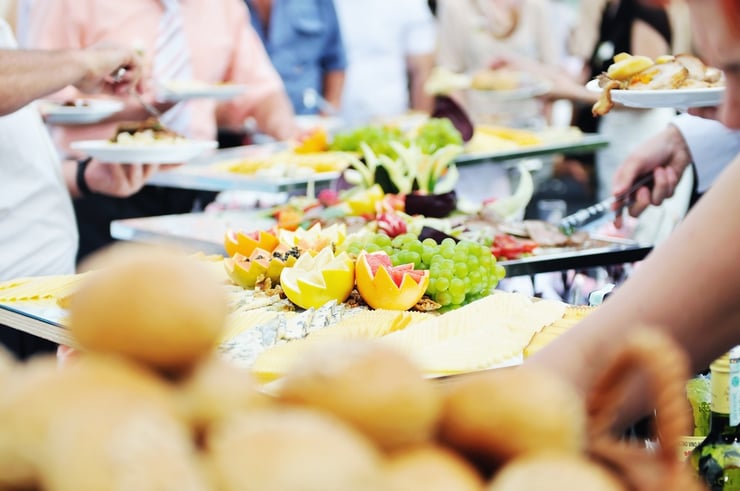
[(118, 180)]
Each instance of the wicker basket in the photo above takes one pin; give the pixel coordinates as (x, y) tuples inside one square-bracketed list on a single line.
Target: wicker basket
[(651, 354)]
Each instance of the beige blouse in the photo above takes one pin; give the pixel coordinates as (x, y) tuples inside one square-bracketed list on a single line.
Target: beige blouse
[(466, 39)]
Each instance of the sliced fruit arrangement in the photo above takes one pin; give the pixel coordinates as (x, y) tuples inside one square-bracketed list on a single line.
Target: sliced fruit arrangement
[(257, 256), (315, 280), (315, 238), (245, 243), (248, 271), (384, 286)]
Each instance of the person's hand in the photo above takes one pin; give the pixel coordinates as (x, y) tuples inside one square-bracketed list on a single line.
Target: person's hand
[(115, 70), (120, 180), (711, 112), (666, 156), (562, 84)]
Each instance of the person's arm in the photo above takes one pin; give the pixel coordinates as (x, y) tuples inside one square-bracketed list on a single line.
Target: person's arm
[(419, 67), (333, 84), (25, 75), (266, 100), (647, 41), (334, 57), (686, 287), (562, 84), (275, 117), (708, 144), (419, 41)]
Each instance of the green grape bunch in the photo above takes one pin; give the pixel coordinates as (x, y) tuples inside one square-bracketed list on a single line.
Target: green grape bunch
[(459, 272)]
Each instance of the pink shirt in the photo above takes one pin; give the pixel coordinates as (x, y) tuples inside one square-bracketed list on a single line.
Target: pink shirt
[(222, 43)]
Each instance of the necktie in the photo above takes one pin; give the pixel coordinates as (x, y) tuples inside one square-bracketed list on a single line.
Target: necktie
[(172, 62)]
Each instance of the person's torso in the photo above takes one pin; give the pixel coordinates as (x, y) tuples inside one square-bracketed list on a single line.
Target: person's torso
[(377, 38), (483, 41), (300, 34), (37, 226)]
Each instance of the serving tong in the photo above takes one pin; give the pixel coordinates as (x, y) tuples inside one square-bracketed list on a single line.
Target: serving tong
[(149, 108), (584, 216)]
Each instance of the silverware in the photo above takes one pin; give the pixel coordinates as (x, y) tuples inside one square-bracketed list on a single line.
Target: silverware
[(118, 74), (587, 215), (312, 99), (153, 111)]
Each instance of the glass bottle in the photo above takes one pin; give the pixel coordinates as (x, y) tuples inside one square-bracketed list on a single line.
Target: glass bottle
[(717, 458)]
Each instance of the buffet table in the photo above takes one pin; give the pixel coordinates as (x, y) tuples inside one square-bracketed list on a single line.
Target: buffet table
[(204, 232), (203, 174)]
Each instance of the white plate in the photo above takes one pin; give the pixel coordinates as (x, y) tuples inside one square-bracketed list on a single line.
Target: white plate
[(675, 98), (184, 90), (155, 153), (93, 112), (524, 92)]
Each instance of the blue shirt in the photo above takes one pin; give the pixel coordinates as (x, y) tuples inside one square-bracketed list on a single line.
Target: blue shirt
[(303, 42)]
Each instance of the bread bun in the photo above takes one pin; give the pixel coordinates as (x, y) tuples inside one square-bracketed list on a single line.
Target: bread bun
[(375, 388), (152, 305), (292, 450), (505, 413), (554, 472), (215, 389), (39, 397), (120, 444), (431, 468)]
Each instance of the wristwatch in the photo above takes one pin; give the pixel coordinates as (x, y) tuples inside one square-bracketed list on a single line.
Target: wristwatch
[(82, 186)]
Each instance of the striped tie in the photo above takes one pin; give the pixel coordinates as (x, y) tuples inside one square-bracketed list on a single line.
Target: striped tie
[(172, 62)]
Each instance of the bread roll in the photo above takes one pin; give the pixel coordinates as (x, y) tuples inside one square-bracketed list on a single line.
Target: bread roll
[(554, 472), (39, 397), (152, 305), (431, 468), (292, 450), (502, 414), (377, 389), (215, 389)]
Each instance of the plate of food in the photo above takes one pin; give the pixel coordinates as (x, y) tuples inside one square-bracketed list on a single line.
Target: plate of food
[(681, 82), (181, 90), (144, 142), (79, 111), (508, 84)]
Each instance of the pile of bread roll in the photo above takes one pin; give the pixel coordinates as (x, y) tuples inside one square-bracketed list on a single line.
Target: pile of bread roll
[(149, 406)]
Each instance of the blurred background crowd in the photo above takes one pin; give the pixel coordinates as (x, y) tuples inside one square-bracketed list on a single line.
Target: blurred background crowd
[(350, 62)]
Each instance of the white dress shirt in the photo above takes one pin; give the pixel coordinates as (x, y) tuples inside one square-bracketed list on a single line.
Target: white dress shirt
[(711, 144), (38, 235), (378, 36)]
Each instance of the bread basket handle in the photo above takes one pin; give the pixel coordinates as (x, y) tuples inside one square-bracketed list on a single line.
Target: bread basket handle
[(665, 366)]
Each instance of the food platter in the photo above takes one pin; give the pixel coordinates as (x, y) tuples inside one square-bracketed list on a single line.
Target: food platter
[(176, 91), (150, 153), (674, 98), (207, 173), (78, 112)]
